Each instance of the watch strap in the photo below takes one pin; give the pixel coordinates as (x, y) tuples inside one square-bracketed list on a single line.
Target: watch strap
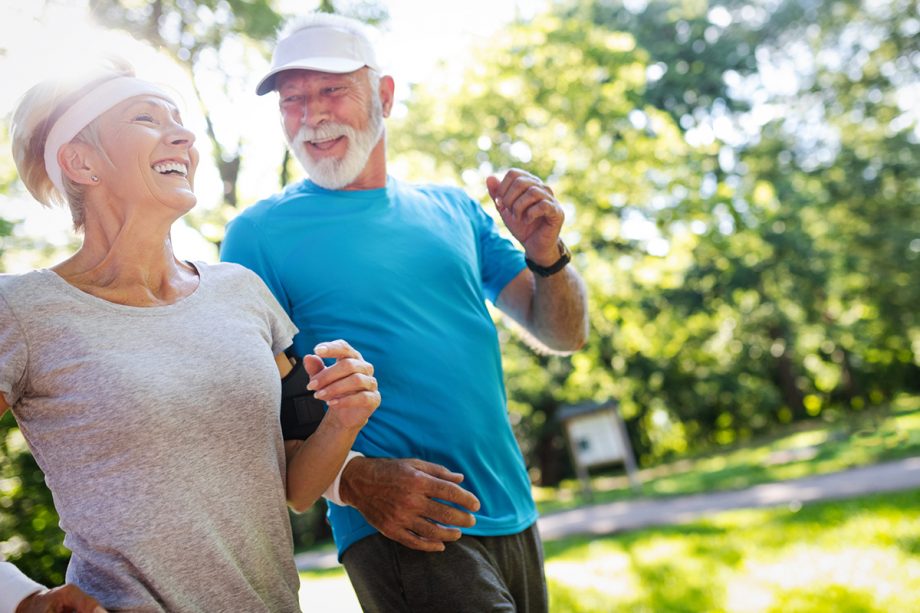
[(565, 256)]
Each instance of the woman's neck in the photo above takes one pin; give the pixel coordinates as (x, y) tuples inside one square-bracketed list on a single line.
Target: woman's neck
[(129, 263)]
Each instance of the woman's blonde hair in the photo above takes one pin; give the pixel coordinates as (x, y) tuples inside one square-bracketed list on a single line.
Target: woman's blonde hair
[(35, 115)]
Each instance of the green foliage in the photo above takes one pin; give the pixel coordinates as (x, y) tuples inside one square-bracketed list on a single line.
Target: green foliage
[(188, 29), (750, 246), (28, 523), (310, 527)]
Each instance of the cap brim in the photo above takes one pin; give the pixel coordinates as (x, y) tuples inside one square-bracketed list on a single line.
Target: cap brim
[(333, 65)]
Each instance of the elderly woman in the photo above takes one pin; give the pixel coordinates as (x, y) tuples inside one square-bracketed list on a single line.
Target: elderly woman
[(148, 387)]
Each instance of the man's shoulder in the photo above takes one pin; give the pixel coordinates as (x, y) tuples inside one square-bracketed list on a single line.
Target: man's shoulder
[(439, 190), (450, 197)]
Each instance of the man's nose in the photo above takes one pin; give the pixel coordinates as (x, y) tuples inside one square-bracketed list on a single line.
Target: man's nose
[(314, 113)]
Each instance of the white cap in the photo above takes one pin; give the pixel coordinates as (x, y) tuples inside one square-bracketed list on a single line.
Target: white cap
[(320, 46)]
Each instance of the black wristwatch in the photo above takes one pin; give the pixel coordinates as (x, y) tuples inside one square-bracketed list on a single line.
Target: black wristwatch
[(565, 256)]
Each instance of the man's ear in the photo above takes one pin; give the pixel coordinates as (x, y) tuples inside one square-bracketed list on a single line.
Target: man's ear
[(387, 87), (77, 161)]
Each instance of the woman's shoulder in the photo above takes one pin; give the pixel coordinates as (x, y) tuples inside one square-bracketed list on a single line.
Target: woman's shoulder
[(25, 285), (221, 269), (228, 275)]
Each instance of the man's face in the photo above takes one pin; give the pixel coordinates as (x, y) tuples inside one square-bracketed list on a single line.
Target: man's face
[(332, 123)]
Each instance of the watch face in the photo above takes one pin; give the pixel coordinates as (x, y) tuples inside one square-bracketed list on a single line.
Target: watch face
[(564, 250)]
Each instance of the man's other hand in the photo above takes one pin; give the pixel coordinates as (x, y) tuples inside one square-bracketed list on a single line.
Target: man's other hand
[(61, 599), (403, 500)]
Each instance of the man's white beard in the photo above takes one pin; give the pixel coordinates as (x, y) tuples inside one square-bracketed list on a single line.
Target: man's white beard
[(332, 173)]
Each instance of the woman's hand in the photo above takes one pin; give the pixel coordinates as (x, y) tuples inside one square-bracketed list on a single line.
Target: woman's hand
[(348, 386)]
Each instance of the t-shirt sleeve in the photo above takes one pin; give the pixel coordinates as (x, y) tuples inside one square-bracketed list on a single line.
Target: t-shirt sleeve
[(499, 259), (14, 353), (244, 245), (283, 329)]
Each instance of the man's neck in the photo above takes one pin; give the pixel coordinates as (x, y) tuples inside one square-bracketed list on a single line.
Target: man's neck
[(374, 175)]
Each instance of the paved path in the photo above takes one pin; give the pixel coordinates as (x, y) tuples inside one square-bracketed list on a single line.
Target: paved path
[(630, 515)]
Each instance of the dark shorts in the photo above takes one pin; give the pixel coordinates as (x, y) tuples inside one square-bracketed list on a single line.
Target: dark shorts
[(474, 574)]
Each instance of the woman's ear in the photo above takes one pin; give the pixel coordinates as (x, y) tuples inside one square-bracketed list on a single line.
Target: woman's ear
[(76, 161)]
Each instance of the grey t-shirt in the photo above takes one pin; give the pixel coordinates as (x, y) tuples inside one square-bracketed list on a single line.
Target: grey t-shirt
[(157, 429)]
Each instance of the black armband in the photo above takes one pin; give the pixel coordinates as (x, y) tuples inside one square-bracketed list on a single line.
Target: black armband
[(301, 412)]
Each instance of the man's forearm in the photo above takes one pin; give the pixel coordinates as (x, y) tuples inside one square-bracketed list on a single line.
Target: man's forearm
[(559, 310)]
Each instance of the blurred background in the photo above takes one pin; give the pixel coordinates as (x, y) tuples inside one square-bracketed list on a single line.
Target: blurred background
[(741, 180)]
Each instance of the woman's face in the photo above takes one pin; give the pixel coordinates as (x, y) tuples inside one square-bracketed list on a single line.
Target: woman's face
[(152, 156)]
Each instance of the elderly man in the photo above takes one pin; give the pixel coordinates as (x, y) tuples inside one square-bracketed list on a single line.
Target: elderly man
[(403, 272)]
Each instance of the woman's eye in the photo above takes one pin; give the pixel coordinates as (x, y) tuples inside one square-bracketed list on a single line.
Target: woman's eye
[(144, 117)]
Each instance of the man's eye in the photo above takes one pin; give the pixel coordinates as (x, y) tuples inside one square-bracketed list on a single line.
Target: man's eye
[(334, 90)]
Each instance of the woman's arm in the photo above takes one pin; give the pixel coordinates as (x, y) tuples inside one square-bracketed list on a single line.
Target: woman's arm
[(350, 390)]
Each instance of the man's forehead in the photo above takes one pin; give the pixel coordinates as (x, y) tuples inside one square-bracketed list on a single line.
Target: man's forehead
[(294, 77)]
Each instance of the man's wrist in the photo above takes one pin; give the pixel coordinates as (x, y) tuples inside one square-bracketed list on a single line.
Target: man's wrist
[(547, 265), (24, 604), (352, 477)]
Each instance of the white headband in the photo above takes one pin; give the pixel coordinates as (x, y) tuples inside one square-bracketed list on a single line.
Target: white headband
[(86, 109)]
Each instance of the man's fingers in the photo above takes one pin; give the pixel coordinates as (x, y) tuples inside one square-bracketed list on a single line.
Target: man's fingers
[(493, 185), (445, 487), (409, 539), (448, 515), (430, 531), (525, 190), (510, 177), (540, 209), (518, 193), (439, 471), (528, 199)]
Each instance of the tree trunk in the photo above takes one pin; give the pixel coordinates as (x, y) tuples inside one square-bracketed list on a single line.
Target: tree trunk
[(785, 376)]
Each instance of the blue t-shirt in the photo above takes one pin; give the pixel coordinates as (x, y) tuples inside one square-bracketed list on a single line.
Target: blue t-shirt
[(402, 273)]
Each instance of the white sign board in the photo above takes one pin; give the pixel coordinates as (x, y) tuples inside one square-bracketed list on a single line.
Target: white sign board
[(595, 439)]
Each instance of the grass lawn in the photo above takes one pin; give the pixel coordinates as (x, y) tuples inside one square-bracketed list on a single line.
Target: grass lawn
[(860, 555), (809, 448)]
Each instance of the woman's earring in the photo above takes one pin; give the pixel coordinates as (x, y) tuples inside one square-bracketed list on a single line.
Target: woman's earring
[(95, 179)]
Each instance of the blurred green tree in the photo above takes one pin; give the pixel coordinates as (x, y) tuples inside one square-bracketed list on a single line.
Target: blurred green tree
[(741, 186)]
